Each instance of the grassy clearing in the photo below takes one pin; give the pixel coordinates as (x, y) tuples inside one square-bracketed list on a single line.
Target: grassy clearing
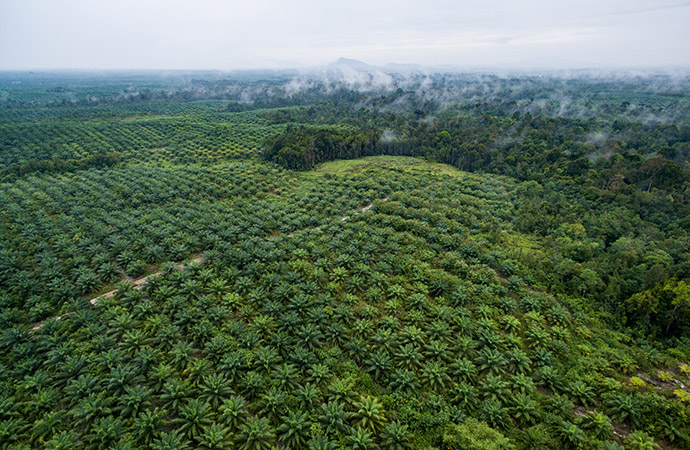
[(343, 167)]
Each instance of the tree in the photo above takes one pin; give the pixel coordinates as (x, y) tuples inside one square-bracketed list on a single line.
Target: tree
[(146, 424), (571, 435), (494, 413), (196, 416), (434, 375), (45, 427), (214, 437), (518, 361), (307, 395), (285, 376), (495, 387), (404, 380), (379, 365), (582, 392), (135, 399), (65, 440), (256, 434), (321, 443), (639, 440), (599, 425), (234, 411), (342, 390), (396, 437), (369, 414), (215, 389), (465, 396), (360, 439), (491, 360), (625, 407), (294, 430), (170, 441), (334, 417), (409, 357), (524, 408), (105, 433)]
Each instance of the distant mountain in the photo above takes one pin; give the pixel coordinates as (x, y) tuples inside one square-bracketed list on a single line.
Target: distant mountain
[(353, 64), (361, 66)]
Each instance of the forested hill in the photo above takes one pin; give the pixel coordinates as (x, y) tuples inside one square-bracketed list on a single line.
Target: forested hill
[(284, 260), (610, 194)]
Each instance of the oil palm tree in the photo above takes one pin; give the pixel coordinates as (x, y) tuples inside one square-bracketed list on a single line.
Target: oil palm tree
[(135, 399), (379, 365), (465, 396), (321, 442), (215, 388), (65, 440), (524, 409), (342, 390), (570, 434), (285, 376), (464, 370), (598, 424), (318, 373), (272, 403), (547, 376), (404, 380), (360, 439), (396, 437), (175, 391), (491, 360), (294, 429), (522, 383), (146, 424), (333, 418), (256, 434), (369, 414), (639, 440), (436, 350), (170, 441), (581, 392), (46, 426), (105, 433), (434, 375), (196, 415), (625, 407), (214, 437), (493, 413), (494, 387), (518, 361), (234, 411), (89, 409), (408, 357), (307, 395)]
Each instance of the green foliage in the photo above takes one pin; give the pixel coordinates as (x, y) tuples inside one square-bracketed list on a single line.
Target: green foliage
[(474, 435), (665, 307), (640, 440)]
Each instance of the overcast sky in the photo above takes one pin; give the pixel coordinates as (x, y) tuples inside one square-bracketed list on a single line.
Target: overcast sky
[(231, 34)]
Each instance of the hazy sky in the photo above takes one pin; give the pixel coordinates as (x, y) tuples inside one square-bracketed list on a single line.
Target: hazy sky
[(231, 34)]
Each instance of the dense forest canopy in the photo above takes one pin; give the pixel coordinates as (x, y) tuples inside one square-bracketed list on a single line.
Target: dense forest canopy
[(314, 260)]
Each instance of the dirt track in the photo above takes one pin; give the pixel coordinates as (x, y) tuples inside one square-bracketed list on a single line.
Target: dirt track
[(139, 283)]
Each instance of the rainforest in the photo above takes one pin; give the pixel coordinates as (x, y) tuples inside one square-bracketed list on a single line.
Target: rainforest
[(314, 260)]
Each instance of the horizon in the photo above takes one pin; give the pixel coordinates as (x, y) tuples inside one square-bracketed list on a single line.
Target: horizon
[(388, 67)]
